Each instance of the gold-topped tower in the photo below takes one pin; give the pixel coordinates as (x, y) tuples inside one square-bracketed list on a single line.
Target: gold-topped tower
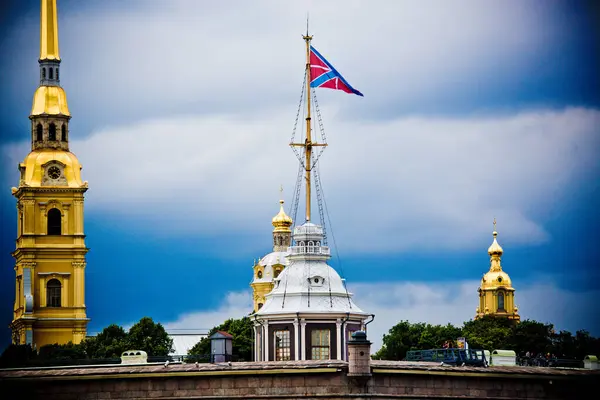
[(270, 266), (50, 248), (496, 294)]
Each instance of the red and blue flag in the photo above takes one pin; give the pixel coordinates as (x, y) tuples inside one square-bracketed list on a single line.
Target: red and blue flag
[(322, 74)]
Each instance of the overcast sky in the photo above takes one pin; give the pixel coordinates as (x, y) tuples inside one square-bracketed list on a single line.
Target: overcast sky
[(182, 115)]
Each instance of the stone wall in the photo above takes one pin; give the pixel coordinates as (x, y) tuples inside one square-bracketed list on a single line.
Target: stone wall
[(294, 380)]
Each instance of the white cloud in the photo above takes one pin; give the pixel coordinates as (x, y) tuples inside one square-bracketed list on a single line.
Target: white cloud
[(407, 184), (235, 305), (157, 58), (434, 303), (193, 104)]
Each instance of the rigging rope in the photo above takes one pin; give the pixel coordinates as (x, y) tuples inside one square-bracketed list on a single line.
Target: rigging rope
[(319, 191), (321, 128), (284, 291), (337, 254), (296, 199), (302, 93), (308, 262)]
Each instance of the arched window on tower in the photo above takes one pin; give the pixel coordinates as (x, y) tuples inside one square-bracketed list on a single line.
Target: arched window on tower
[(56, 73), (53, 288), (38, 132), (43, 73), (51, 74), (63, 133), (54, 222), (501, 301), (51, 131)]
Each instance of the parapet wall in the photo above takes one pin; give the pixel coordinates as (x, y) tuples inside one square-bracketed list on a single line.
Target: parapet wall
[(294, 380)]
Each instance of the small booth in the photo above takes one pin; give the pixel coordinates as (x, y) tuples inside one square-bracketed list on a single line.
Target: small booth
[(504, 357), (221, 347), (590, 362), (134, 357)]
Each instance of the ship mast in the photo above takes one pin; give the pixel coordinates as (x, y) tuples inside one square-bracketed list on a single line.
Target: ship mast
[(308, 144)]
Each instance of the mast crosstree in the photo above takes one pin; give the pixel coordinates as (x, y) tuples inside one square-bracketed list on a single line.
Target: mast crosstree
[(308, 143)]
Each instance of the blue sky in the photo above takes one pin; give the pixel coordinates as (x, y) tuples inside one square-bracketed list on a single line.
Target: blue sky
[(182, 112)]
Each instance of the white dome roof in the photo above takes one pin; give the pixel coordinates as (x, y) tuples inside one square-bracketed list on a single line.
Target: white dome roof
[(308, 284), (276, 257)]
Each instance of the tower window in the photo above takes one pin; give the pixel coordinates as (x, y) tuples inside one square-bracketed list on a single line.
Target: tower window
[(501, 301), (319, 344), (38, 132), (43, 73), (56, 73), (63, 133), (276, 273), (54, 222), (52, 132), (282, 345), (53, 289), (51, 74), (260, 305), (259, 274)]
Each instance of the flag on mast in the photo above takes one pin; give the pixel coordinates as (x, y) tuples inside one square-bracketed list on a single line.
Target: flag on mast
[(324, 75)]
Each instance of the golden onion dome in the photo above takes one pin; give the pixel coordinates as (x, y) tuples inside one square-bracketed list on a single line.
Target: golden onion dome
[(50, 100), (495, 248), (35, 162), (495, 279), (282, 222)]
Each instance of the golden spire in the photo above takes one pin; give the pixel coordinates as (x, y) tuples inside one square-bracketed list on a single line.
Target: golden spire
[(495, 252), (48, 31), (49, 98), (282, 222)]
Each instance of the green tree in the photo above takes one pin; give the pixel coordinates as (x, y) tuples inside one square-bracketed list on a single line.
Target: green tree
[(150, 337), (110, 343), (402, 337), (67, 351), (585, 344), (434, 336), (487, 333), (16, 355), (243, 338), (563, 344), (530, 336)]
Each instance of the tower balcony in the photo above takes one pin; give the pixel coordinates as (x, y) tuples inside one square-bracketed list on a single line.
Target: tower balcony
[(316, 250)]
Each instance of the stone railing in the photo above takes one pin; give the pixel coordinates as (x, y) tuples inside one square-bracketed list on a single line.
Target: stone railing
[(319, 250)]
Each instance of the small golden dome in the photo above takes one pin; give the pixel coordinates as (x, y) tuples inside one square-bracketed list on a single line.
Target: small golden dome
[(50, 100), (494, 279), (495, 248), (282, 222), (36, 160)]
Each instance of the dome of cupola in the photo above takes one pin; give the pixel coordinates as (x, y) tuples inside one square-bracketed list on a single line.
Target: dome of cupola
[(282, 222), (495, 248), (496, 279)]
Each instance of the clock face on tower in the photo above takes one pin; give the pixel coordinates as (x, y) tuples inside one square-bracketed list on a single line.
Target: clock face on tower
[(54, 172)]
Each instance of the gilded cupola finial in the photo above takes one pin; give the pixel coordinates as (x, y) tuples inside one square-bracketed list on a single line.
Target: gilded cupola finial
[(282, 222), (495, 251)]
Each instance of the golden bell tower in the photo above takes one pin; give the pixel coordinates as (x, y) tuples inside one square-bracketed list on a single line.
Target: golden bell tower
[(268, 268), (50, 248), (496, 294)]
